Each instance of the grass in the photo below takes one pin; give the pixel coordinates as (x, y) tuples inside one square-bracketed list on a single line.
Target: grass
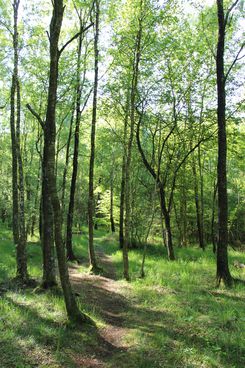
[(175, 317)]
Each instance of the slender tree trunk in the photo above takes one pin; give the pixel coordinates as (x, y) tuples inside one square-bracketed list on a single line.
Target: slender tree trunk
[(92, 257), (17, 168), (134, 84), (69, 249), (15, 194), (142, 270), (197, 204), (63, 190), (22, 227), (223, 272), (201, 196), (183, 210), (49, 161), (167, 221), (122, 191), (213, 218), (112, 202)]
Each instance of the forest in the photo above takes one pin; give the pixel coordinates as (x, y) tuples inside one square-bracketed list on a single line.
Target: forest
[(122, 184)]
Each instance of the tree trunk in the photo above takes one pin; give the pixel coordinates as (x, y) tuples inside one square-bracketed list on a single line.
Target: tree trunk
[(134, 84), (197, 204), (223, 272), (167, 221), (92, 257), (69, 249), (63, 191), (213, 235), (15, 195), (17, 168), (22, 228), (183, 210), (201, 196), (47, 229), (111, 203), (122, 191), (49, 161)]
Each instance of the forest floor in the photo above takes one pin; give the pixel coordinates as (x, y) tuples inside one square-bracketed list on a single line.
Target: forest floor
[(106, 296), (174, 317)]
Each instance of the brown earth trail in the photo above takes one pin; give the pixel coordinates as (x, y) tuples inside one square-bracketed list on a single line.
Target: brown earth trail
[(107, 300)]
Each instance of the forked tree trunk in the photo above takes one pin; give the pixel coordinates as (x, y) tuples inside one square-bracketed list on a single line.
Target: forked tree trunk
[(223, 272), (49, 161)]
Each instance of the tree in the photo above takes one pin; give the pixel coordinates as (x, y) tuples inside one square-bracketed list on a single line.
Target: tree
[(19, 230), (49, 160), (223, 272), (79, 88), (92, 256)]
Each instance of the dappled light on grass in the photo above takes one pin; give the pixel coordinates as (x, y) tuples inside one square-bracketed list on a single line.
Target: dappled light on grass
[(174, 317)]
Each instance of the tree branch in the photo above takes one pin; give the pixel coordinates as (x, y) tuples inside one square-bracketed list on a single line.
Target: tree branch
[(6, 26), (74, 37), (229, 11), (181, 163), (146, 163), (234, 61), (37, 116)]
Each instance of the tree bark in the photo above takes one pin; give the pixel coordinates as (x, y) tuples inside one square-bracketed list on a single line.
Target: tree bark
[(197, 204), (49, 161), (213, 235), (167, 221), (122, 190), (69, 249), (63, 190), (112, 202), (17, 167), (134, 84), (92, 257), (223, 272)]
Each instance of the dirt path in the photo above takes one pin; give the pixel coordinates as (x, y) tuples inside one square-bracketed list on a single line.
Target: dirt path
[(106, 298)]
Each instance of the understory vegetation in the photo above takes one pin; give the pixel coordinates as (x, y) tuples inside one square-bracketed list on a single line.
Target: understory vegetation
[(174, 317)]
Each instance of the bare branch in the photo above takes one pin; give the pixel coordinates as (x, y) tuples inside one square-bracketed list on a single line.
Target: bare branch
[(48, 35), (86, 101), (6, 26), (74, 37), (145, 161), (37, 116), (230, 10), (235, 60), (202, 140)]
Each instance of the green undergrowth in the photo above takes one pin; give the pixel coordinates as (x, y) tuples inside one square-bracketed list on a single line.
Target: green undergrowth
[(178, 317), (174, 317)]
